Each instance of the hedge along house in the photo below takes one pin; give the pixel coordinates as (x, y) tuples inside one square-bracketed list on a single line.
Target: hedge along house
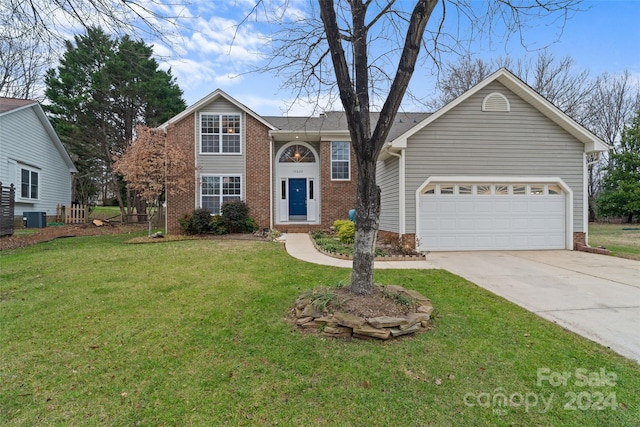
[(498, 168)]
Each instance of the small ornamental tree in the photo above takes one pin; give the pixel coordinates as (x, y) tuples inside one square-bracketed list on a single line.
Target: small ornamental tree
[(148, 164)]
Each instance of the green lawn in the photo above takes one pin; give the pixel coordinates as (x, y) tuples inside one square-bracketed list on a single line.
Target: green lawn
[(193, 333), (622, 240)]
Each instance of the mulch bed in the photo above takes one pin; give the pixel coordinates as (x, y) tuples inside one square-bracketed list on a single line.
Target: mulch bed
[(40, 235)]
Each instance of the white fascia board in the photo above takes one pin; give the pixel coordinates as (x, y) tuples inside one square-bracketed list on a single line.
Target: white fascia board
[(591, 142), (218, 93), (46, 124)]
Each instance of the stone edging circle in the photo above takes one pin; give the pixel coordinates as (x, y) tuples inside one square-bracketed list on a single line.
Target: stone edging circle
[(377, 258), (345, 325)]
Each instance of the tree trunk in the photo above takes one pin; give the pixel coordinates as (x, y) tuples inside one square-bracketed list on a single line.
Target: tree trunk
[(366, 224)]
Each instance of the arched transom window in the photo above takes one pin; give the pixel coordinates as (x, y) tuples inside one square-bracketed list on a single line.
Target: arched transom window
[(297, 154)]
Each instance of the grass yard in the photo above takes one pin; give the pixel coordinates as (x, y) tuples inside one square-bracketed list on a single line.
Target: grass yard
[(192, 333), (623, 240)]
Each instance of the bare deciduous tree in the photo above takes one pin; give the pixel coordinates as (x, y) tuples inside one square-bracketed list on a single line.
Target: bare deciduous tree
[(367, 52), (557, 80), (149, 166), (33, 31)]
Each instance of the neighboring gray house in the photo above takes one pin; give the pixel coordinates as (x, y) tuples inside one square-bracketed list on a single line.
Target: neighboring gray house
[(500, 167), (33, 158)]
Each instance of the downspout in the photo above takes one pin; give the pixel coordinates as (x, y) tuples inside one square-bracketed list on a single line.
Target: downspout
[(270, 183), (401, 187)]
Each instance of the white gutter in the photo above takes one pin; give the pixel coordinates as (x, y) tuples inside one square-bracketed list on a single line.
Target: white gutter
[(270, 183)]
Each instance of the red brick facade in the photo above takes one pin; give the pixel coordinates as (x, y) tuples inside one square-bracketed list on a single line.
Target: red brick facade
[(257, 178), (181, 202), (337, 197)]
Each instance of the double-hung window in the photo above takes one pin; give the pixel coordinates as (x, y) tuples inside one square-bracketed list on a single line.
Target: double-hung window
[(217, 189), (340, 161), (220, 133), (28, 184)]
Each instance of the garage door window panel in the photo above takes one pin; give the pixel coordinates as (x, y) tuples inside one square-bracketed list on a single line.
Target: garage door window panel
[(465, 189), (447, 189), (554, 190), (519, 190), (483, 189)]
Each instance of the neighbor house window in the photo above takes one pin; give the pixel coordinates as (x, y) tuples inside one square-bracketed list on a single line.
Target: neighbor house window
[(216, 190), (220, 133), (340, 161), (28, 184)]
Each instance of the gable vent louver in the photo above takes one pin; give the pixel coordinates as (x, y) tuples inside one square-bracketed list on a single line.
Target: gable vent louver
[(496, 102)]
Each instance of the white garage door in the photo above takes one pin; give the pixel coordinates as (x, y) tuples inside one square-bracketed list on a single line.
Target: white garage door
[(492, 217)]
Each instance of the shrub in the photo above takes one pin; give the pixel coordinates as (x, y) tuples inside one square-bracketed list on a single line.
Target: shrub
[(218, 225), (196, 223), (236, 217), (347, 232), (338, 223), (186, 224)]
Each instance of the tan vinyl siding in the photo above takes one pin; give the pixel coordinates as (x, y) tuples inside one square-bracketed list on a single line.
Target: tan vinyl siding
[(519, 143), (387, 179)]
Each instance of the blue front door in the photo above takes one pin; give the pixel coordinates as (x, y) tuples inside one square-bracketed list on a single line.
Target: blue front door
[(297, 197)]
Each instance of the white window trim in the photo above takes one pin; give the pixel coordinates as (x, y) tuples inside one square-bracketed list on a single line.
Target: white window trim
[(220, 153), (348, 162), (499, 180), (19, 169), (221, 176)]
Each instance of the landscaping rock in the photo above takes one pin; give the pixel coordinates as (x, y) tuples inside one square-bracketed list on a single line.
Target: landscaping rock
[(310, 310), (329, 321), (301, 321), (349, 320), (347, 325), (301, 303), (337, 332), (426, 308), (370, 331), (413, 319), (397, 332), (387, 322), (311, 325)]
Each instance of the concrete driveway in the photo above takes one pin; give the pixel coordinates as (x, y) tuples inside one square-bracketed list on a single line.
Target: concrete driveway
[(593, 295)]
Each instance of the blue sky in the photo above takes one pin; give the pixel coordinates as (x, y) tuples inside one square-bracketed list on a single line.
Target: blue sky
[(211, 54)]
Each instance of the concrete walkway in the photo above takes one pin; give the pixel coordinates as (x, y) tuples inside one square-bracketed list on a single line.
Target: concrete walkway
[(299, 246), (593, 295)]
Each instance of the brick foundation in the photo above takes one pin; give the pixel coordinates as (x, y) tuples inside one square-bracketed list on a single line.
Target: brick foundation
[(579, 244), (391, 238)]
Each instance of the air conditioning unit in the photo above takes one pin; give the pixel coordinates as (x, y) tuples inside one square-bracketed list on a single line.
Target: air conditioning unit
[(34, 219)]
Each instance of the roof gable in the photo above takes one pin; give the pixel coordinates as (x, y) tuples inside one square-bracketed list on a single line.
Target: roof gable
[(213, 96), (11, 105), (510, 81)]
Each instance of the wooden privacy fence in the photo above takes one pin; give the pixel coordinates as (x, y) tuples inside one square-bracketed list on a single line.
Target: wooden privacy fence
[(7, 209), (73, 214)]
